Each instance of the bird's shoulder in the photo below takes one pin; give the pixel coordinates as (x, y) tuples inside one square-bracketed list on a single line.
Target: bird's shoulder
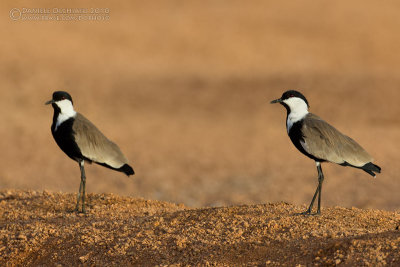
[(82, 123), (85, 130), (89, 137), (314, 125), (94, 145)]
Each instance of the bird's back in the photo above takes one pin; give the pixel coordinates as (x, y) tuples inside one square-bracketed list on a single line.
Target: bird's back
[(325, 142), (94, 145)]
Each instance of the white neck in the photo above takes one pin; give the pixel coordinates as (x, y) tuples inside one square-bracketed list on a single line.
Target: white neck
[(298, 110), (67, 112)]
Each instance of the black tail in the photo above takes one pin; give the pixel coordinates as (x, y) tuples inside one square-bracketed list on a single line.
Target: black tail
[(370, 168), (127, 170)]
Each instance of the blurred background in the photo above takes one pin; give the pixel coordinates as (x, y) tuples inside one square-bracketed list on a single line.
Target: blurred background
[(183, 87)]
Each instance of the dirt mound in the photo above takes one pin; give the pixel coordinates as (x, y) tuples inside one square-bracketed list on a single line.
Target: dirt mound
[(38, 228)]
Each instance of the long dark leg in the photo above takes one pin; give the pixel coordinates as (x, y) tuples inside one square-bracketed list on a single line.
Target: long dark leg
[(317, 192), (320, 181), (308, 211), (83, 183), (80, 188), (79, 196)]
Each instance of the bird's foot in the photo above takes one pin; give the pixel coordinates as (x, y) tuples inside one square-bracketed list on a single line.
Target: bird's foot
[(79, 211), (309, 213)]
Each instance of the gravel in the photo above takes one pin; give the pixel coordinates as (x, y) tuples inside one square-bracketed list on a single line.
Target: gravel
[(39, 228)]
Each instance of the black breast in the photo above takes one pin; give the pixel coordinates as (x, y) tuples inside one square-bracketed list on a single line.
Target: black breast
[(296, 135), (64, 136)]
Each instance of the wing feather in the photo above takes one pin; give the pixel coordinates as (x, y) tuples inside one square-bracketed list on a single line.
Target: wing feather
[(325, 142), (94, 145)]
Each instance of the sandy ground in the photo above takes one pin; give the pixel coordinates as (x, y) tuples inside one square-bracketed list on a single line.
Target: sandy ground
[(37, 229), (184, 89)]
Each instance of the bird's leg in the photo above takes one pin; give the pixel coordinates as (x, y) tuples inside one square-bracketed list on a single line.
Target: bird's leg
[(80, 189), (308, 211), (317, 191), (79, 197), (320, 180), (83, 184)]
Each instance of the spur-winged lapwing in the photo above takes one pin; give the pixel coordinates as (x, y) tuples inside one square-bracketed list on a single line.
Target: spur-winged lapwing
[(320, 141), (82, 141)]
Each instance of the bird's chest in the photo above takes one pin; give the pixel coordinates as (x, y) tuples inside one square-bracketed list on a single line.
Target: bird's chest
[(64, 136), (298, 140), (295, 132), (294, 118), (291, 120)]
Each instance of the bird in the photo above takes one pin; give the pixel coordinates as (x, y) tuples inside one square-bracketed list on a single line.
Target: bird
[(321, 142), (82, 141)]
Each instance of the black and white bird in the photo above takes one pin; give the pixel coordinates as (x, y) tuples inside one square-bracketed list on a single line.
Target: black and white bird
[(82, 141), (320, 141)]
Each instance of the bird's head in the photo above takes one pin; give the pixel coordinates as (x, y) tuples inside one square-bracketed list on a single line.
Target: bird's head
[(293, 101), (61, 101)]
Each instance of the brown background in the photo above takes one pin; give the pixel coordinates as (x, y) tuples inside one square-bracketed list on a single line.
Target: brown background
[(184, 88)]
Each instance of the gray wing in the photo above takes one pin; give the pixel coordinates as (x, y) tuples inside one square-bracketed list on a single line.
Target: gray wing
[(325, 142), (94, 145)]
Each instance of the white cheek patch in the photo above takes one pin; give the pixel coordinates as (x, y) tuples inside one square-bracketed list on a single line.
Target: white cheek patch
[(298, 110), (67, 112)]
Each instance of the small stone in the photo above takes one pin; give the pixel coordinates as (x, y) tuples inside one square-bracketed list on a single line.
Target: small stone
[(21, 237), (83, 259)]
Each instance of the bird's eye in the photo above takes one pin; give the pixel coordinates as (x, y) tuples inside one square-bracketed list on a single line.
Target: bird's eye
[(63, 97), (291, 95)]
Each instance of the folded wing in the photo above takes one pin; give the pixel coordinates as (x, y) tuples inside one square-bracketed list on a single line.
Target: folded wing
[(95, 146), (325, 142)]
